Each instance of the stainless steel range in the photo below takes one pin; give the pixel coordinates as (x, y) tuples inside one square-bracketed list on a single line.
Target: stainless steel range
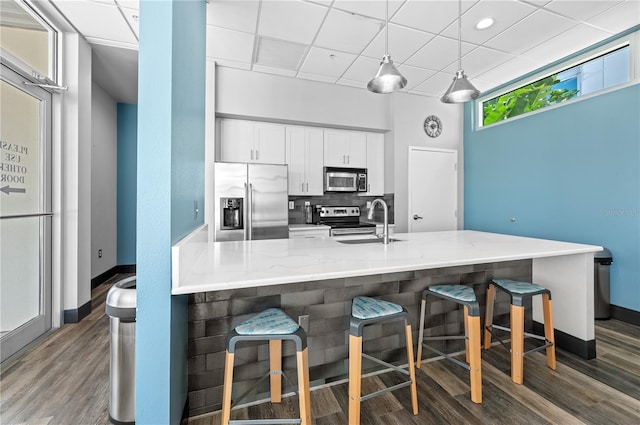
[(345, 221)]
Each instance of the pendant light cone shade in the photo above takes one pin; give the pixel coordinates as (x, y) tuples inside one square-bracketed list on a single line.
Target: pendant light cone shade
[(388, 78), (460, 90)]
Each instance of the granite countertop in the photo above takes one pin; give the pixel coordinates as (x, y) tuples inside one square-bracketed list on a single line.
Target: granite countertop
[(199, 265)]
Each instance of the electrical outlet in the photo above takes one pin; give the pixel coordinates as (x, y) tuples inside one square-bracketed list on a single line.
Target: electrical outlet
[(99, 253), (368, 204), (303, 321), (291, 205)]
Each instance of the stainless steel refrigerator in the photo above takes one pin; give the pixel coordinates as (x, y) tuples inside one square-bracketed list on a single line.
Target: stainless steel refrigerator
[(250, 201)]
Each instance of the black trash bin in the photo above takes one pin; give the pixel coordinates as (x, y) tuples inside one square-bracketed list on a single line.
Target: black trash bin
[(602, 285), (121, 309)]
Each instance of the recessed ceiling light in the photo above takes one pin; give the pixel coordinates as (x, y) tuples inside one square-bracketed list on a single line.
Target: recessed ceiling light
[(485, 23)]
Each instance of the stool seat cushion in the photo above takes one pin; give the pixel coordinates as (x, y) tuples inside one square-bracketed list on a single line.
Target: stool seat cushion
[(272, 321), (458, 292), (369, 308), (518, 287)]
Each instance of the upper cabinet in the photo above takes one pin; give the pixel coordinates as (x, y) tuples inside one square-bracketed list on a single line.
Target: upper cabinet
[(375, 164), (251, 141), (304, 154), (343, 148)]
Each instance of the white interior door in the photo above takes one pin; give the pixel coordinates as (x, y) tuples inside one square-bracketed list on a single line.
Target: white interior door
[(433, 189)]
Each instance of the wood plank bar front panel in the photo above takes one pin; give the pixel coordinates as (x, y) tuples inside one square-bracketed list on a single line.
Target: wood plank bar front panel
[(328, 303)]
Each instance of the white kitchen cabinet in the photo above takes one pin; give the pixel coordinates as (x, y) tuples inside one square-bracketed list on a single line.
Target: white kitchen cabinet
[(251, 141), (375, 165), (343, 148), (304, 153)]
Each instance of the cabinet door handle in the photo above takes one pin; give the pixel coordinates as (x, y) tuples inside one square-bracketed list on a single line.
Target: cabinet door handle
[(301, 187), (344, 159), (348, 160), (307, 186), (257, 154), (252, 154), (417, 217)]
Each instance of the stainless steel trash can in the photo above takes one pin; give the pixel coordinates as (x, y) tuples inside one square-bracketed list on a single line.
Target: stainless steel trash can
[(121, 309), (602, 284)]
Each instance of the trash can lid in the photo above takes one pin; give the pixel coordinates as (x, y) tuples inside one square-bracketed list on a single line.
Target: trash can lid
[(121, 299), (604, 254)]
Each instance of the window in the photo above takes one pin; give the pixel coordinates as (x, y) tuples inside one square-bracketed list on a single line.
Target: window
[(607, 70)]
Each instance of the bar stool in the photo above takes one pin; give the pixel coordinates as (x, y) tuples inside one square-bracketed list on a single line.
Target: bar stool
[(275, 326), (367, 311), (518, 292), (465, 296)]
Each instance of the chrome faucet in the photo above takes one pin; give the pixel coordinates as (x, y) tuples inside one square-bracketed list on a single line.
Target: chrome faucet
[(385, 231)]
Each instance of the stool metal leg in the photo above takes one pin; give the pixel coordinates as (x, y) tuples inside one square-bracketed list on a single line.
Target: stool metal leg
[(355, 375), (472, 323), (421, 332), (548, 330), (488, 317), (304, 392), (517, 343), (275, 365), (412, 370), (226, 388)]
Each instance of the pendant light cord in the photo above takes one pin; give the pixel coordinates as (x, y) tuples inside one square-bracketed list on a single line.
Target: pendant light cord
[(386, 31), (459, 34)]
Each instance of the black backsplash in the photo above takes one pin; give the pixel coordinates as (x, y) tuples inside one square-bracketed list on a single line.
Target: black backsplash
[(296, 215)]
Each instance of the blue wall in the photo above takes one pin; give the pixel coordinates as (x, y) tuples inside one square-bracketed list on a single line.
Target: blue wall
[(127, 186), (171, 123), (568, 173)]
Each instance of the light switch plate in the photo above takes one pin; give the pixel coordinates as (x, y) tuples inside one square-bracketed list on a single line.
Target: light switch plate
[(291, 205)]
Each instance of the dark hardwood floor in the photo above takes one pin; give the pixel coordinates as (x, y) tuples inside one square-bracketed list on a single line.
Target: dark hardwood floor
[(64, 379)]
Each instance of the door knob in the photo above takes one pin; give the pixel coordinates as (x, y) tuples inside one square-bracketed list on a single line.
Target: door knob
[(417, 217)]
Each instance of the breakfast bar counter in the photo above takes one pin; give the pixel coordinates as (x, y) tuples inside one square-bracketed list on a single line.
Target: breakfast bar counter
[(228, 281)]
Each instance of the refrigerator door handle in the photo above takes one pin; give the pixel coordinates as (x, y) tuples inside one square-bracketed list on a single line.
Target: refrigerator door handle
[(250, 211), (246, 213)]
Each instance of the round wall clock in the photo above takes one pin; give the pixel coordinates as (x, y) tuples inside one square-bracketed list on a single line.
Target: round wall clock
[(432, 126)]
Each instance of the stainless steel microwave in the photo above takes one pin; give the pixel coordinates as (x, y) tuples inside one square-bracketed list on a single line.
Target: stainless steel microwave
[(345, 179)]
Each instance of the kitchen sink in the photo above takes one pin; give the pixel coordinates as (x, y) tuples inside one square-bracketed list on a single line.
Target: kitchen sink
[(370, 240)]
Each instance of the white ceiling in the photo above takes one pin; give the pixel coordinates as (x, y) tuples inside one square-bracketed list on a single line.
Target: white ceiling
[(342, 41)]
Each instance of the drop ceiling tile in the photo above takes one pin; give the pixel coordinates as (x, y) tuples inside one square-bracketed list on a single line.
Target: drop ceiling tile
[(351, 83), (133, 18), (233, 14), (504, 13), (129, 4), (479, 61), (272, 70), (513, 68), (363, 69), (315, 77), (415, 76), (580, 9), (97, 20), (292, 20), (347, 32), (436, 85), (565, 44), (439, 53), (430, 16), (327, 62), (403, 42), (619, 18), (539, 3), (230, 45), (484, 85), (372, 8), (529, 32)]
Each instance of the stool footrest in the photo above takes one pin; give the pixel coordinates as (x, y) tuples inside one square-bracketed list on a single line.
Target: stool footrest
[(385, 390), (546, 345), (264, 421), (448, 356), (542, 347), (383, 363), (265, 376)]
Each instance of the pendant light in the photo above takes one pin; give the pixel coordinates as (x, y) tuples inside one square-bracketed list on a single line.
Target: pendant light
[(388, 78), (461, 89)]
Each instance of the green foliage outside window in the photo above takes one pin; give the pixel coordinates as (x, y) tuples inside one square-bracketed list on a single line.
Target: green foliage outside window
[(526, 99)]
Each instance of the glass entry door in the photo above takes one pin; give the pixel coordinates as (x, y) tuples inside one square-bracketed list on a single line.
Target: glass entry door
[(25, 212)]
